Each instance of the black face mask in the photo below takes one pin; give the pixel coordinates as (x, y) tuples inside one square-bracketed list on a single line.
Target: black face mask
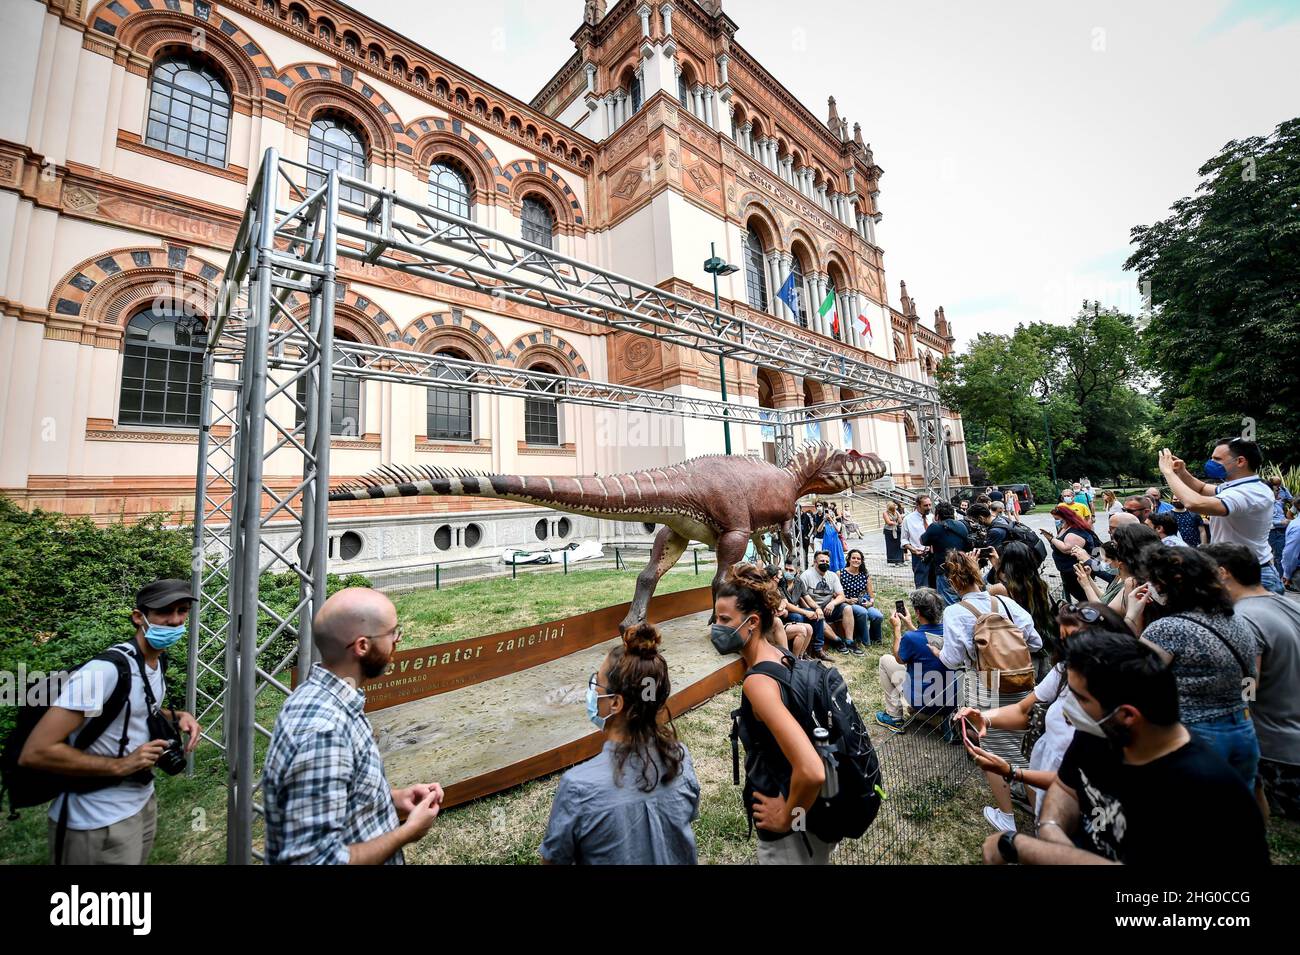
[(823, 567)]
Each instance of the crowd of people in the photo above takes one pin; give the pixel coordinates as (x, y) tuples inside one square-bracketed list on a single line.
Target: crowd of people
[(1170, 666)]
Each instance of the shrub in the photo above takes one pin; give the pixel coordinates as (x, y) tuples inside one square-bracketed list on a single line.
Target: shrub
[(67, 589)]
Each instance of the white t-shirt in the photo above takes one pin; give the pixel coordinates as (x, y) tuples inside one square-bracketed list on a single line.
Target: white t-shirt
[(959, 628), (86, 690), (821, 588), (1249, 519), (1057, 733)]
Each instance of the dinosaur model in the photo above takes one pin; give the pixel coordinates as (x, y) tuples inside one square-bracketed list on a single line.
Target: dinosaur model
[(722, 501)]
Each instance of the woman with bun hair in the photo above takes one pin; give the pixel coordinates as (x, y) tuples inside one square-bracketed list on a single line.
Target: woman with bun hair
[(745, 606), (634, 803)]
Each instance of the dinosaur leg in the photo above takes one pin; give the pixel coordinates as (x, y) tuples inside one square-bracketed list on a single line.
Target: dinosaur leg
[(668, 547), (730, 550), (787, 542)]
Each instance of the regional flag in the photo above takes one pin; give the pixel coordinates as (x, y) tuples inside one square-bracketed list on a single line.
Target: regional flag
[(866, 325)]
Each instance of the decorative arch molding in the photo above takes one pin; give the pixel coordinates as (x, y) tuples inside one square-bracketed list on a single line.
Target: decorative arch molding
[(358, 315), (786, 390), (433, 137), (545, 345), (326, 88), (798, 234), (820, 392), (142, 34), (835, 258), (753, 208), (526, 176), (454, 329), (92, 301)]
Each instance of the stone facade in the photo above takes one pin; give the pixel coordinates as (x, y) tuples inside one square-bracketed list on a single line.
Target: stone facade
[(99, 216)]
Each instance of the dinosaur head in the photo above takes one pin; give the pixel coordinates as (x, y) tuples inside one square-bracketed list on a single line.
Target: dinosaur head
[(826, 470)]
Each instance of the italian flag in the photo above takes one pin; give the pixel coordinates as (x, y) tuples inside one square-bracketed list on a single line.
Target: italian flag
[(829, 306)]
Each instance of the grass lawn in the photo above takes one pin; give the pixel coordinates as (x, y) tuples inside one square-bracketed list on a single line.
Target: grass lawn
[(499, 604), (508, 827)]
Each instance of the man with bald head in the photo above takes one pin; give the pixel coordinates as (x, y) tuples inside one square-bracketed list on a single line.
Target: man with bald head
[(327, 799)]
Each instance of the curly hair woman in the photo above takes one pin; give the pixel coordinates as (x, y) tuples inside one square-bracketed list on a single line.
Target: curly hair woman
[(1214, 651), (635, 802)]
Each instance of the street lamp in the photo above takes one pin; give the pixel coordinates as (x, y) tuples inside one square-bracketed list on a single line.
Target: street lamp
[(1042, 402), (715, 267)]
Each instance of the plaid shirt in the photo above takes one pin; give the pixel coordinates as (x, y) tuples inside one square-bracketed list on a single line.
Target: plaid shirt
[(323, 783)]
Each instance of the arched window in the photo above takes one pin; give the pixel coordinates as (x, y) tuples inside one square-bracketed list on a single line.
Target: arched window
[(634, 90), (683, 90), (449, 191), (345, 398), (162, 369), (335, 144), (189, 110), (352, 44), (541, 415), (450, 411), (800, 296), (755, 271), (538, 222), (325, 30)]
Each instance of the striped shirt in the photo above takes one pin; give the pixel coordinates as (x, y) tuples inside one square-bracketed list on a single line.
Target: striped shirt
[(324, 783)]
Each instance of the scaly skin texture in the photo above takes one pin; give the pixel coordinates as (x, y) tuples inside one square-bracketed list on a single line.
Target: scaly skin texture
[(722, 501)]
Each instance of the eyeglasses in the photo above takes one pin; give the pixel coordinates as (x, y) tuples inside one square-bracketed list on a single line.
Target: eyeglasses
[(593, 684), (395, 633)]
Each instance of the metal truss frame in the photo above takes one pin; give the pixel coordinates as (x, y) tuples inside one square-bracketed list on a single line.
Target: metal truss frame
[(246, 524)]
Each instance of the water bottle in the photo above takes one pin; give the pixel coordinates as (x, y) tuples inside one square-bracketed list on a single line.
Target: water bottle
[(831, 785)]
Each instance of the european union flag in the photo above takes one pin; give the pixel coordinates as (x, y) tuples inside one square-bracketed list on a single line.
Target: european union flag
[(786, 294)]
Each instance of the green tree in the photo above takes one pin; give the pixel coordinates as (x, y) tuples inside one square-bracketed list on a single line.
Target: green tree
[(1224, 283), (1081, 380)]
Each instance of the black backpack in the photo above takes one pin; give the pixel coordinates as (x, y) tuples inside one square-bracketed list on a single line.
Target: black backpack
[(33, 787), (816, 696), (1023, 535)]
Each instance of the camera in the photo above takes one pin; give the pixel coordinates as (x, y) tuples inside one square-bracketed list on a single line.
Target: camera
[(172, 761)]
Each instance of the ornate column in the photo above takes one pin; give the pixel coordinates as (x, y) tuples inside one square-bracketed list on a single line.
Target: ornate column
[(643, 12)]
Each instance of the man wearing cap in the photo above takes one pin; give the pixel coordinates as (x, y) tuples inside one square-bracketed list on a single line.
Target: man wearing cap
[(113, 823)]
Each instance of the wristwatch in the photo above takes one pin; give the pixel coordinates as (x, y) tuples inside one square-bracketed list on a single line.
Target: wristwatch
[(1007, 848)]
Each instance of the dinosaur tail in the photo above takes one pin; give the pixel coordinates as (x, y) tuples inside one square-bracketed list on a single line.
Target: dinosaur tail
[(583, 495)]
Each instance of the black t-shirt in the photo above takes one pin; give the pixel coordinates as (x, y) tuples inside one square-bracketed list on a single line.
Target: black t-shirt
[(1187, 807)]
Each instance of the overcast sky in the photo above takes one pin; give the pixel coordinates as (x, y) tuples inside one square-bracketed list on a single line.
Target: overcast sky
[(1020, 139)]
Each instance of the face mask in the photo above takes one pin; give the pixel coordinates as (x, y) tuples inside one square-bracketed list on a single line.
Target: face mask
[(1078, 717), (593, 712), (726, 639), (160, 638), (823, 567), (789, 575), (1215, 471)]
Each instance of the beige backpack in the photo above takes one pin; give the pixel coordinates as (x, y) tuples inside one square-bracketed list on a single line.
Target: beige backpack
[(1001, 654)]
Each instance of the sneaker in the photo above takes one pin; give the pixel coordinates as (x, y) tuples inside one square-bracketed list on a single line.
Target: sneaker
[(892, 723), (1002, 821), (839, 647), (856, 649)]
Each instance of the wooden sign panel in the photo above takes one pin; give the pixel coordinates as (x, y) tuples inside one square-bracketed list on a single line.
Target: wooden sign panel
[(425, 671)]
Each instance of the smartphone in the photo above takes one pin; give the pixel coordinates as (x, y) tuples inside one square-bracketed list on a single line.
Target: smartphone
[(986, 552), (969, 734), (898, 608)]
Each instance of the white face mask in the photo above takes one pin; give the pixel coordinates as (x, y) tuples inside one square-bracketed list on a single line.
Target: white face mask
[(1078, 717)]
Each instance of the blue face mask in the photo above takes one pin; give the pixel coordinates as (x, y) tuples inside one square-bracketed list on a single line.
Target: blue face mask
[(593, 713), (160, 638), (1215, 471)]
